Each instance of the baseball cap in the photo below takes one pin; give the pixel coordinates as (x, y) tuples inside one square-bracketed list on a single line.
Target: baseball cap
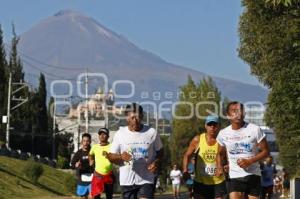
[(212, 118), (103, 130)]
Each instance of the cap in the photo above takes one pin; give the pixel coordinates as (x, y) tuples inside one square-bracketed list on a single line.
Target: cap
[(103, 130), (212, 118)]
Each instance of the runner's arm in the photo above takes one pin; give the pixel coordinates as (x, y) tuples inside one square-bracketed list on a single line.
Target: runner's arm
[(159, 156), (118, 158), (91, 160), (221, 158), (74, 160), (156, 163), (264, 153), (189, 152)]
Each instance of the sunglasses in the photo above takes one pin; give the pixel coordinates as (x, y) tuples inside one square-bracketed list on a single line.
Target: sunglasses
[(212, 124)]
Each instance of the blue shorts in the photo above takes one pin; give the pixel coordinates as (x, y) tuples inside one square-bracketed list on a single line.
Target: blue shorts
[(83, 190)]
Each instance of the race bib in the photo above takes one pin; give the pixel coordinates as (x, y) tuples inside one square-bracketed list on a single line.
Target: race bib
[(86, 177), (209, 170)]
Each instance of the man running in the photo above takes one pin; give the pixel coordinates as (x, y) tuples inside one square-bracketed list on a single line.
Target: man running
[(175, 176), (268, 172), (138, 150), (190, 181), (206, 184), (84, 171), (103, 177), (245, 145)]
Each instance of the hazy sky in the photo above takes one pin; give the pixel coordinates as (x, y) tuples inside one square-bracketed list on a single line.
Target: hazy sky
[(199, 34)]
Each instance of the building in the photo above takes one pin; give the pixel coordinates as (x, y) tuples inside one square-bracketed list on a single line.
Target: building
[(99, 107)]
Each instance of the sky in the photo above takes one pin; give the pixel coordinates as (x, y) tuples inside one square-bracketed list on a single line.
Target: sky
[(198, 34)]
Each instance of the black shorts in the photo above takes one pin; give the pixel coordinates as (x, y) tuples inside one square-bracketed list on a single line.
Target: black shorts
[(250, 185), (138, 191), (286, 184), (210, 191)]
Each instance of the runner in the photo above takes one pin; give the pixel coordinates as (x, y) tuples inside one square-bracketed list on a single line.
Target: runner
[(159, 187), (278, 185), (190, 181), (84, 171), (103, 177), (137, 148), (206, 184), (175, 176), (241, 141), (268, 172), (286, 183)]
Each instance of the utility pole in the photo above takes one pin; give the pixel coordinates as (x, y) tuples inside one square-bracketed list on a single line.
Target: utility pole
[(77, 141), (9, 109), (156, 121), (54, 128), (105, 110), (148, 123), (163, 126), (86, 103)]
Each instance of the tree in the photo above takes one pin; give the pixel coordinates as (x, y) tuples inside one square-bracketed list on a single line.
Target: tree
[(183, 129), (203, 99), (270, 44), (283, 2), (166, 161), (16, 69), (15, 65), (3, 83), (50, 114), (42, 115)]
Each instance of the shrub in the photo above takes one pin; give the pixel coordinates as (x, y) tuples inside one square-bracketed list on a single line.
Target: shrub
[(62, 162), (70, 183), (33, 171)]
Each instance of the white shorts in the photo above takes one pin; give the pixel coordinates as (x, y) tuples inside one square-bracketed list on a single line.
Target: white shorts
[(176, 186)]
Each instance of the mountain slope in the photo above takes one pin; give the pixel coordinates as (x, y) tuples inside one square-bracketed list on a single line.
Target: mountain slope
[(74, 41)]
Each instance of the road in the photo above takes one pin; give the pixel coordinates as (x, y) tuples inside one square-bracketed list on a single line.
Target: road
[(163, 196)]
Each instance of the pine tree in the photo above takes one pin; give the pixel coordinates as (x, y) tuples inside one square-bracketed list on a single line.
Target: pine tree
[(20, 119), (16, 69), (50, 115), (42, 114), (3, 84), (15, 65)]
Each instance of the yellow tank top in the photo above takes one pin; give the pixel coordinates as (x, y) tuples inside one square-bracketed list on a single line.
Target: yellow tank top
[(102, 164), (206, 166)]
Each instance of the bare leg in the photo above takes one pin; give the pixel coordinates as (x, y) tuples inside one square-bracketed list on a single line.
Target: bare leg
[(253, 197), (236, 195)]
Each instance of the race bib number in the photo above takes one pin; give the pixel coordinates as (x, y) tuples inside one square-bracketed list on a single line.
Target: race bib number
[(86, 177), (209, 170)]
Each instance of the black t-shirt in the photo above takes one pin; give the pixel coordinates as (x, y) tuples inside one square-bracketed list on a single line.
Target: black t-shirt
[(83, 157)]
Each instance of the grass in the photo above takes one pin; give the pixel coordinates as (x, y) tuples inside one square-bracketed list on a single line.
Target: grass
[(14, 184)]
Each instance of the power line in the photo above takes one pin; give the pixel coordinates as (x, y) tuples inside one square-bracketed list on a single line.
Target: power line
[(46, 64), (47, 73), (49, 65)]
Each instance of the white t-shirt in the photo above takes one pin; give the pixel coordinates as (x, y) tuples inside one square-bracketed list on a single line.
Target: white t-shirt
[(241, 143), (143, 146), (175, 176)]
